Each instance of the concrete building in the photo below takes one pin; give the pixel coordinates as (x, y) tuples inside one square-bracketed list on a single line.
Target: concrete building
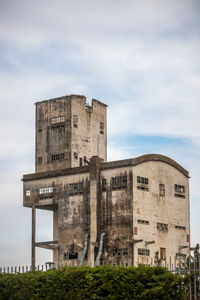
[(132, 211)]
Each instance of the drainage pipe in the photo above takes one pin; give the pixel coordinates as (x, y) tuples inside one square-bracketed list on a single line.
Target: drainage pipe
[(97, 262), (85, 247)]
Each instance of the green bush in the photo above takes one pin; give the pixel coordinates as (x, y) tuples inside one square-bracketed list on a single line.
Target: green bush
[(104, 282)]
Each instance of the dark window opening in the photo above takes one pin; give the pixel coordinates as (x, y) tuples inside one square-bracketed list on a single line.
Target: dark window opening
[(75, 121), (59, 156), (143, 183), (80, 161), (120, 252), (101, 128), (71, 255), (39, 160), (103, 183), (179, 188), (76, 186), (119, 182), (180, 227), (142, 180), (75, 155), (143, 222), (144, 252), (162, 227)]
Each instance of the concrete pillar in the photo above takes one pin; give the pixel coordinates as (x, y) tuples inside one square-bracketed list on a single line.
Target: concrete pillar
[(55, 235), (95, 210), (33, 237)]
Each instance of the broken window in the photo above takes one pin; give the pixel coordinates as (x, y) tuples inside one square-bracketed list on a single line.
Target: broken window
[(181, 256), (28, 192), (46, 190), (57, 120), (142, 183), (144, 252), (59, 156), (162, 227), (179, 191), (76, 186), (142, 180), (161, 190), (75, 121), (163, 253), (179, 188), (143, 222), (75, 155), (120, 252), (101, 128), (180, 227), (39, 160), (119, 182), (71, 255), (80, 161)]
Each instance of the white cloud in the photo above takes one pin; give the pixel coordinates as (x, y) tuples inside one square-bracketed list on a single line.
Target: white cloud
[(140, 57)]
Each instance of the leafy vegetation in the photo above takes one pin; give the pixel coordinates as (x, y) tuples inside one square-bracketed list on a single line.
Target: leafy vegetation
[(104, 282)]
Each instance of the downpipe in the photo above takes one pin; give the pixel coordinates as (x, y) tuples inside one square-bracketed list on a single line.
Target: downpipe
[(85, 247), (97, 262)]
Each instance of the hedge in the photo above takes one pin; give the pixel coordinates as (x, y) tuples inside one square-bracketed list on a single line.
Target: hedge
[(104, 282)]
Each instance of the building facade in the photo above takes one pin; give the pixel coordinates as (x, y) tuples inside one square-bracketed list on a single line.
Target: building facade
[(131, 212)]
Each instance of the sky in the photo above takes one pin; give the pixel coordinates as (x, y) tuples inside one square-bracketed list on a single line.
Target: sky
[(142, 58)]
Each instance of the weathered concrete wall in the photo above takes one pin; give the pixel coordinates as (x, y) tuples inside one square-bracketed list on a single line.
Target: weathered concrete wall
[(88, 139), (168, 209), (53, 135), (110, 199), (68, 131)]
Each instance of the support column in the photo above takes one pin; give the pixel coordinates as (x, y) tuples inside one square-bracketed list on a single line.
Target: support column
[(55, 237), (33, 238), (95, 216)]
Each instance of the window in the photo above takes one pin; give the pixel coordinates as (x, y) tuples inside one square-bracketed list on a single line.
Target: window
[(162, 227), (144, 252), (57, 120), (39, 160), (181, 256), (40, 130), (75, 155), (179, 191), (120, 252), (101, 128), (180, 227), (119, 181), (80, 161), (143, 222), (75, 186), (71, 255), (103, 183), (142, 180), (179, 188), (161, 190), (142, 183), (59, 156), (28, 192), (75, 121), (46, 190), (163, 253)]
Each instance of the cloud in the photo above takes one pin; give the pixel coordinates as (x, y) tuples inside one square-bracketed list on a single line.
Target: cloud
[(139, 57)]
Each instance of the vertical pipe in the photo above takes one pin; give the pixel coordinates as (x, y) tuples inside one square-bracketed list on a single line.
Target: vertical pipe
[(190, 275), (33, 239), (194, 278)]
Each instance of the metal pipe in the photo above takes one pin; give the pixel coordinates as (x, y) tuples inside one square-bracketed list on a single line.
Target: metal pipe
[(85, 247), (97, 262)]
